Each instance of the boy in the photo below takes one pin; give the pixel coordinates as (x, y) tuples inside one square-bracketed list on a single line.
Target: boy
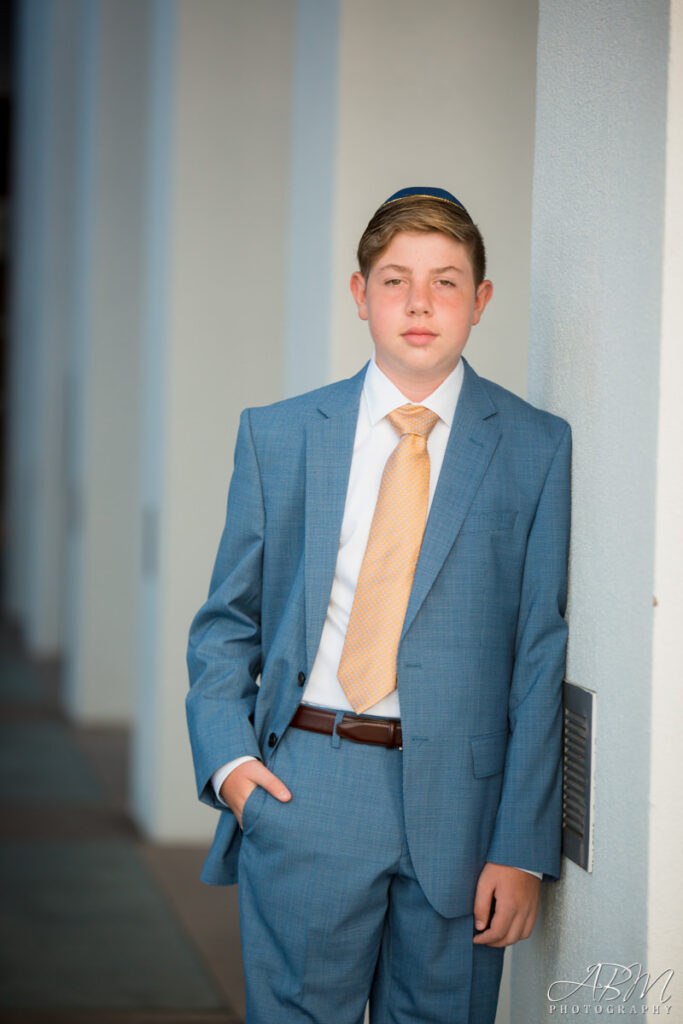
[(393, 565)]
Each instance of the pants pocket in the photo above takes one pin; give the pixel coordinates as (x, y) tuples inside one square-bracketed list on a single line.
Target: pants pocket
[(252, 808)]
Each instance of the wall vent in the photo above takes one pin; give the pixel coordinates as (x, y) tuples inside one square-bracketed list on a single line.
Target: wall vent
[(577, 784)]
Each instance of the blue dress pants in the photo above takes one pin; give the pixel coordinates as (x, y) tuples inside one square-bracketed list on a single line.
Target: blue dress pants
[(331, 913)]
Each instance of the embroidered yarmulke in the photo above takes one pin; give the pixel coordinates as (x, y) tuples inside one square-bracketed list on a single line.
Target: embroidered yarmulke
[(426, 192)]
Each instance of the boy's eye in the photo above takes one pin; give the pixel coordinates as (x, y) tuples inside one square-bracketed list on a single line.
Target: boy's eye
[(446, 281), (393, 280)]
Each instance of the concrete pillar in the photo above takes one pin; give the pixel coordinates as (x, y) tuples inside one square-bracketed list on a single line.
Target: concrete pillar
[(665, 890), (312, 185), (104, 395), (217, 193), (41, 321), (595, 350)]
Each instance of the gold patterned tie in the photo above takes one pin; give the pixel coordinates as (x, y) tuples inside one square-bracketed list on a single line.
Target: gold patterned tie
[(367, 668)]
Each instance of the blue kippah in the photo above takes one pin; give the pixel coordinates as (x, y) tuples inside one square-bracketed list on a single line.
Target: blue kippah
[(425, 192)]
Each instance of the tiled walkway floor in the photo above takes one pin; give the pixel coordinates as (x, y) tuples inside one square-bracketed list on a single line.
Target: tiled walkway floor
[(96, 924)]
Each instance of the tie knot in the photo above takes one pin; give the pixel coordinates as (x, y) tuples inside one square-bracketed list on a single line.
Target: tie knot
[(413, 419)]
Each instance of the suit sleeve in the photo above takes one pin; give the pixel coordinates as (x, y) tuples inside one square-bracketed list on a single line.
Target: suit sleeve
[(224, 650), (528, 824)]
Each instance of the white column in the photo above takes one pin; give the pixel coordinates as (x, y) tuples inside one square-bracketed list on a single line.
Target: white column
[(439, 93), (311, 200), (595, 358), (103, 564), (42, 317), (217, 213), (665, 891)]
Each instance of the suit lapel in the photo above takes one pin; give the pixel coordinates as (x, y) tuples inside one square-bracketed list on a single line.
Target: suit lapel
[(473, 439), (329, 447)]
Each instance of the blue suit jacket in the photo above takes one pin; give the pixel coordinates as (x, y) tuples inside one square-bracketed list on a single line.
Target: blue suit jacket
[(482, 651)]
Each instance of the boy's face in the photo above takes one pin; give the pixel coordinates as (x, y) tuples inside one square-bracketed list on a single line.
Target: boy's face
[(420, 302)]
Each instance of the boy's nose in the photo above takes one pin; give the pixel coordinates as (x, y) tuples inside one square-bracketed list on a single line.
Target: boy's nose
[(419, 300)]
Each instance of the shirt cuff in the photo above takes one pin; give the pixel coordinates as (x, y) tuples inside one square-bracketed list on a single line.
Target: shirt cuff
[(536, 874), (221, 774)]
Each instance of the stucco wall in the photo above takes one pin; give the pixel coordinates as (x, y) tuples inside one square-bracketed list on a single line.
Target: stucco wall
[(665, 891), (596, 271)]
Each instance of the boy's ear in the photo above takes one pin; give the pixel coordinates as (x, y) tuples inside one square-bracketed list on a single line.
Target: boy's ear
[(359, 294), (482, 298)]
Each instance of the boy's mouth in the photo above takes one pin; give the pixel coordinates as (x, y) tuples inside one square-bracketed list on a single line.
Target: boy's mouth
[(418, 335)]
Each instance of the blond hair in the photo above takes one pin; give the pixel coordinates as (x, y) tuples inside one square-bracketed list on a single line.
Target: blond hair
[(421, 214)]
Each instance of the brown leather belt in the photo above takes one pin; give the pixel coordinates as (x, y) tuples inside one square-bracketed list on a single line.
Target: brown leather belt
[(386, 732)]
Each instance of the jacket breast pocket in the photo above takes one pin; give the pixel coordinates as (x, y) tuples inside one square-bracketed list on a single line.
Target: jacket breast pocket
[(489, 520), (488, 753)]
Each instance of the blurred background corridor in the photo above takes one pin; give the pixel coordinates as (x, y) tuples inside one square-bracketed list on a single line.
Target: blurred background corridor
[(96, 921)]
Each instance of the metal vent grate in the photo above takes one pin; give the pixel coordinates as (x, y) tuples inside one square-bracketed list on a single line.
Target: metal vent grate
[(577, 789)]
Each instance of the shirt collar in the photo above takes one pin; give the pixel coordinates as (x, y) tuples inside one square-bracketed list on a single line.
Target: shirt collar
[(382, 395)]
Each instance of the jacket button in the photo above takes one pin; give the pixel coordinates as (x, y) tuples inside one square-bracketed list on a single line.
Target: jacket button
[(272, 739), (302, 678)]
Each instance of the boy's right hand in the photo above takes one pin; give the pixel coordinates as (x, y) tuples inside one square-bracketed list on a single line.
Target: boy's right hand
[(244, 779)]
